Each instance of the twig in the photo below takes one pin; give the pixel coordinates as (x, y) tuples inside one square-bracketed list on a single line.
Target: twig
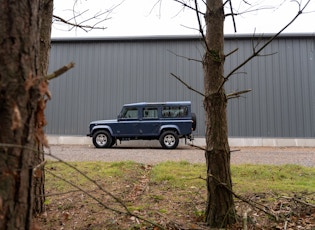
[(185, 5), (188, 86), (62, 193), (200, 27), (39, 168), (60, 71), (189, 59), (197, 147), (236, 150), (233, 51), (237, 94), (127, 211), (298, 200), (88, 194), (256, 52), (233, 19), (83, 27), (253, 204)]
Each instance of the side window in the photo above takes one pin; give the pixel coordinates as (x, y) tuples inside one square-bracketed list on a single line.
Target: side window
[(150, 113), (174, 111), (129, 113)]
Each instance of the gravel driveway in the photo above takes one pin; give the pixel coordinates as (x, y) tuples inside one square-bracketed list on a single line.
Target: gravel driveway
[(153, 155)]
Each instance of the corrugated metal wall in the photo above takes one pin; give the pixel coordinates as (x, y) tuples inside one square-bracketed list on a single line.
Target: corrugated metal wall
[(112, 72)]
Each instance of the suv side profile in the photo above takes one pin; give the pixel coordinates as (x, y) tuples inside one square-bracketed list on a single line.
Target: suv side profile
[(166, 122)]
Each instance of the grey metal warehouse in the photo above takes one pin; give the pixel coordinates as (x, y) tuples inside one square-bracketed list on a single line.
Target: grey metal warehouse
[(110, 72)]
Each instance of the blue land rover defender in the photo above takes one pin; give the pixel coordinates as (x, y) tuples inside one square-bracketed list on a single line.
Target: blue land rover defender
[(166, 122)]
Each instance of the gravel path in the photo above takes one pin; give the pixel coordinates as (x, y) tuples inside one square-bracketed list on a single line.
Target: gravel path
[(153, 155)]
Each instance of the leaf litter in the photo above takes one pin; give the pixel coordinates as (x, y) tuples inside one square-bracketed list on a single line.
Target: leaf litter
[(170, 207)]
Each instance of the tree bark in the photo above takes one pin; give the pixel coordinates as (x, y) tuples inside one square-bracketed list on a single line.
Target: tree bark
[(19, 96), (46, 11), (220, 210)]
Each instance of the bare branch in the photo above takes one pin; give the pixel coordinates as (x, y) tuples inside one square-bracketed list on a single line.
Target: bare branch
[(233, 51), (247, 11), (257, 52), (200, 27), (197, 147), (188, 86), (155, 4), (233, 19), (237, 94), (60, 71), (83, 27), (94, 17), (189, 59), (194, 9), (75, 23)]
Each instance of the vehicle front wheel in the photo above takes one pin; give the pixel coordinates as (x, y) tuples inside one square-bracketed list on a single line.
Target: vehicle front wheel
[(169, 140), (102, 139)]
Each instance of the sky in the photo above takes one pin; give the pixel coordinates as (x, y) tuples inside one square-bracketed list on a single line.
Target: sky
[(168, 17)]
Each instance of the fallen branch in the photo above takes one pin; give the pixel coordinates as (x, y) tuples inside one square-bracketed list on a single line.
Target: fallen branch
[(252, 203), (299, 201)]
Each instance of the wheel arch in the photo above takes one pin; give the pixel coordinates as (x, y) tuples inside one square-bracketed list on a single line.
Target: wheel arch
[(102, 127), (169, 128)]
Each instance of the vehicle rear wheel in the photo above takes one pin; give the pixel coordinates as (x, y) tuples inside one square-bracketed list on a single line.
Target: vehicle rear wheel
[(169, 140), (102, 139)]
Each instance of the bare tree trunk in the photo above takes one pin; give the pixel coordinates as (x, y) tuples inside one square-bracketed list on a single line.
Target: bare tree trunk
[(220, 211), (45, 33), (19, 96)]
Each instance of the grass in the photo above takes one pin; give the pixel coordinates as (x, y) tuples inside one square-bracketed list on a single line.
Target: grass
[(262, 178), (180, 175), (165, 192), (100, 172)]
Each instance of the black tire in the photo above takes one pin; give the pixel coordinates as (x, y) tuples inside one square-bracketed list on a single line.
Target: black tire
[(194, 121), (102, 139), (169, 139)]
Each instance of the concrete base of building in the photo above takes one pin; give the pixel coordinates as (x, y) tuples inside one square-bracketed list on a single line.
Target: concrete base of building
[(199, 141)]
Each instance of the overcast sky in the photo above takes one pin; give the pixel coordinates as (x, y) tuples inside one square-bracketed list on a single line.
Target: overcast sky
[(167, 17)]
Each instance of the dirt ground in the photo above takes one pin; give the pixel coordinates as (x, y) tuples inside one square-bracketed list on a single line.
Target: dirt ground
[(159, 206)]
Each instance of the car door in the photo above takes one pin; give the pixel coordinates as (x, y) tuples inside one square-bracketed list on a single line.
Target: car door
[(128, 122), (150, 124)]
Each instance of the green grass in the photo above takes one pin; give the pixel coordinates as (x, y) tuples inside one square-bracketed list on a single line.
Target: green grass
[(181, 175), (262, 178), (101, 172)]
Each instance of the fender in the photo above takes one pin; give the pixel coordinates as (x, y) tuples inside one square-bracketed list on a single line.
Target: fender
[(169, 127), (98, 127)]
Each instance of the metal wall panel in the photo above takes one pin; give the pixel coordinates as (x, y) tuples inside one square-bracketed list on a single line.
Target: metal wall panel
[(112, 72)]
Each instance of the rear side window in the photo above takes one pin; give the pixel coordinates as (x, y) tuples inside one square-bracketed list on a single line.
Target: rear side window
[(150, 113), (174, 111)]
